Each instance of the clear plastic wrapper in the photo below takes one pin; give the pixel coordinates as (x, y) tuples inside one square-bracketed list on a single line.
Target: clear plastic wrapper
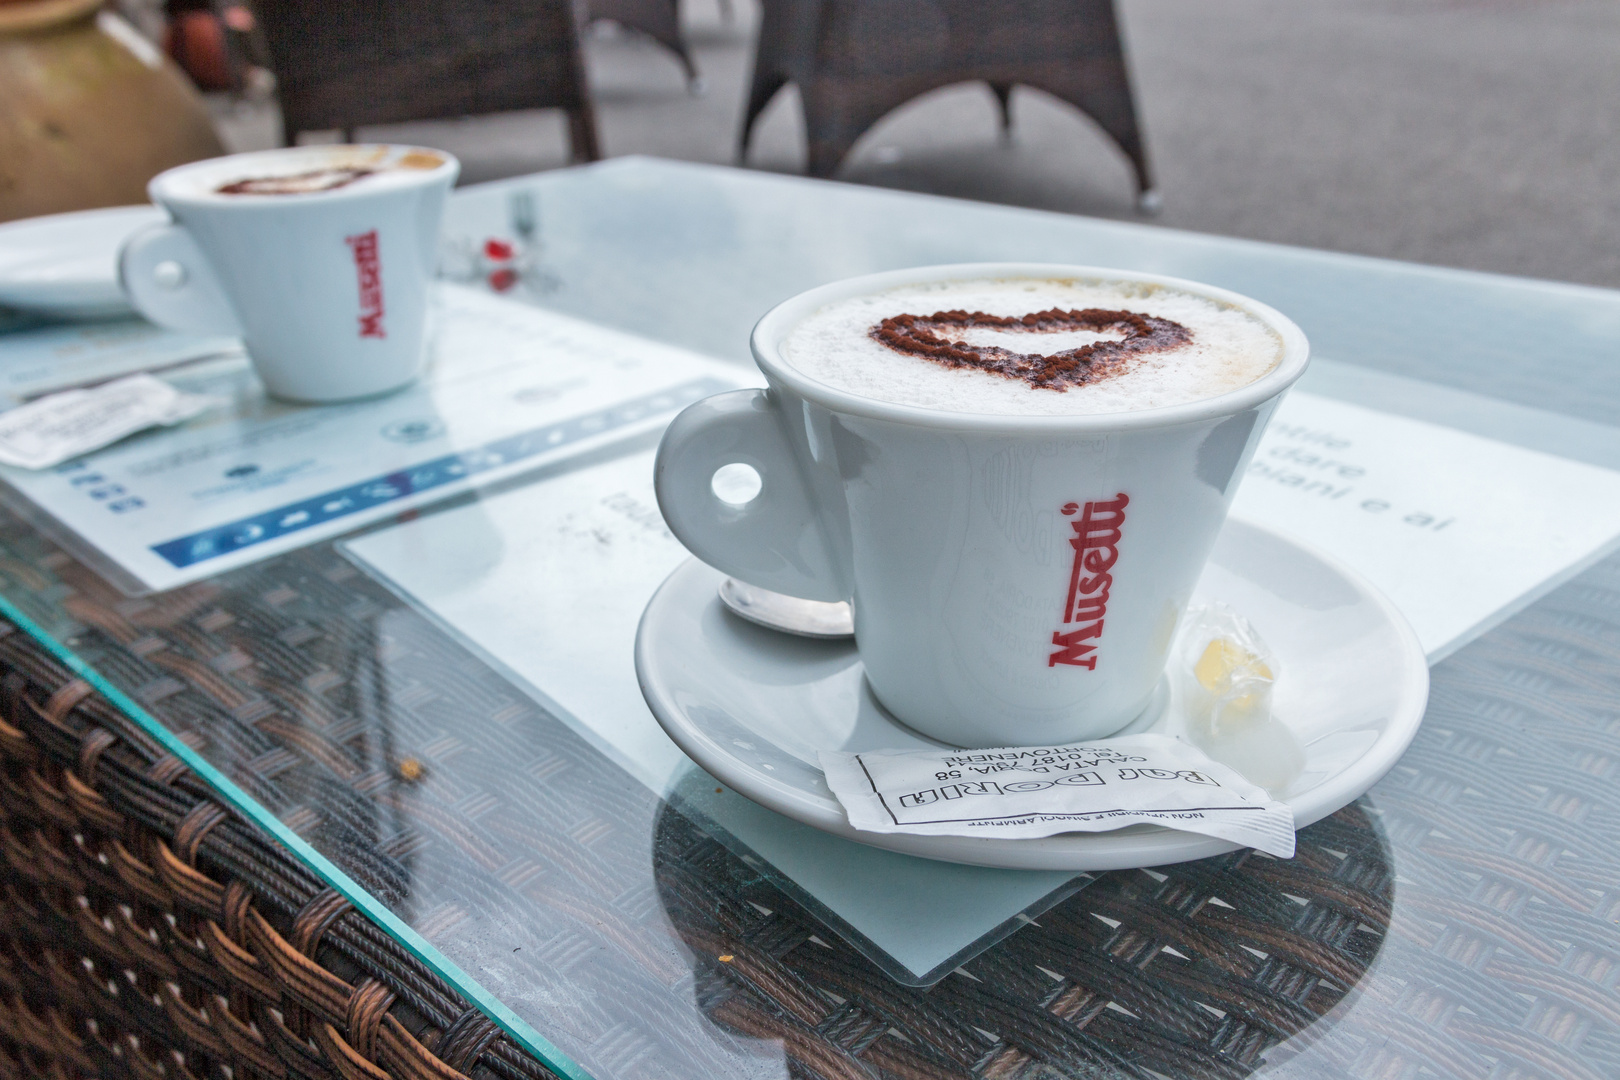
[(1226, 675)]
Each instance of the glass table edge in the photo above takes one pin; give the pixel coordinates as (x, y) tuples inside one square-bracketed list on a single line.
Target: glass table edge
[(520, 1031)]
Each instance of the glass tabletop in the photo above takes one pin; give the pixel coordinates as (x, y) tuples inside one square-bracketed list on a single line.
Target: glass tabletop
[(433, 704)]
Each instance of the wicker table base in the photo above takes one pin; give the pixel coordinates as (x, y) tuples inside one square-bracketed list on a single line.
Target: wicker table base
[(135, 947), (132, 946)]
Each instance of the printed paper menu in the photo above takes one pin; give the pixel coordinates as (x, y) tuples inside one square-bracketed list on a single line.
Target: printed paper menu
[(508, 388)]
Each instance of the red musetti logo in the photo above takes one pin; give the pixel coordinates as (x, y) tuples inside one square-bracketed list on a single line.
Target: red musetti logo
[(369, 267), (1096, 549)]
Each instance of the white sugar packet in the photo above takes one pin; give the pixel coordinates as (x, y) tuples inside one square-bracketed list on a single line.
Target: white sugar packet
[(1023, 792), (52, 429)]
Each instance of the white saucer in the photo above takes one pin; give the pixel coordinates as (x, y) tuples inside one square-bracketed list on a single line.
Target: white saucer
[(752, 706), (67, 264)]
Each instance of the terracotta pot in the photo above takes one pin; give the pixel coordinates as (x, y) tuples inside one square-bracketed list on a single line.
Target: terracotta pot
[(89, 110)]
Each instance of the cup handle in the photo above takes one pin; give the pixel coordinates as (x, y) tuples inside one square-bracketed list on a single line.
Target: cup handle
[(774, 541), (171, 282)]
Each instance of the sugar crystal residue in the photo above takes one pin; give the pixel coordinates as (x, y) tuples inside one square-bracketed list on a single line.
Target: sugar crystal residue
[(1228, 348)]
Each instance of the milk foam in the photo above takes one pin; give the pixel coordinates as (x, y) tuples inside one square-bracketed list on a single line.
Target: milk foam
[(1229, 349), (390, 165)]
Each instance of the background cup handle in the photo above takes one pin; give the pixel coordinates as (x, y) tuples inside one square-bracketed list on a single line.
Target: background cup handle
[(171, 282), (775, 540)]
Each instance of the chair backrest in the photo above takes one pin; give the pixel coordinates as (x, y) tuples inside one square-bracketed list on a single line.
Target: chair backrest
[(854, 60), (967, 38), (352, 62)]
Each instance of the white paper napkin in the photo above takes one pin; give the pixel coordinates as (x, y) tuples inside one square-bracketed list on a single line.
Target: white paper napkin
[(52, 429), (1024, 792)]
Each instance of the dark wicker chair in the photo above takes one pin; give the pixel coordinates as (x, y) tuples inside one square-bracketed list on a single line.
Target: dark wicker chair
[(855, 60), (386, 61), (658, 19)]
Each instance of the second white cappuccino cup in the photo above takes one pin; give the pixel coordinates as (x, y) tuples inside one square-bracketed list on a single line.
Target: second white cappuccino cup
[(327, 288), (1015, 579)]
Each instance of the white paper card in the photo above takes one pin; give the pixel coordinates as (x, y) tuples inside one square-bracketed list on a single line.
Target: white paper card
[(1018, 793), (547, 584), (1458, 530), (509, 388), (49, 430)]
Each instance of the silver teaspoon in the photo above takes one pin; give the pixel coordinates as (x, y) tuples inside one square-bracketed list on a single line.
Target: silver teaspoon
[(789, 614)]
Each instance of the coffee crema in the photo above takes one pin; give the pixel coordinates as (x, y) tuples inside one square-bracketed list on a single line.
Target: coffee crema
[(1033, 346)]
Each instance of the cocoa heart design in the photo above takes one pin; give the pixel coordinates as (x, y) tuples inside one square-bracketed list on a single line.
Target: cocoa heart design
[(920, 335)]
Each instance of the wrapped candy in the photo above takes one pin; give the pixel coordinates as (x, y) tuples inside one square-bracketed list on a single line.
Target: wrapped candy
[(501, 263), (1226, 674), (1231, 669)]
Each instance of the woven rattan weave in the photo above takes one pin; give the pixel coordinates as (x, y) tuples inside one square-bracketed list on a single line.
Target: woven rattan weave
[(1461, 921), (148, 933)]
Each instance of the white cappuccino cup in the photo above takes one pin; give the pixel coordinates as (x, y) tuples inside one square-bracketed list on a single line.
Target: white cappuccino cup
[(318, 257), (1016, 576)]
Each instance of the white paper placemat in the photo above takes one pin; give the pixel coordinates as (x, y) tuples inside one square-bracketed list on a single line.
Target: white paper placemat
[(548, 583), (509, 387)]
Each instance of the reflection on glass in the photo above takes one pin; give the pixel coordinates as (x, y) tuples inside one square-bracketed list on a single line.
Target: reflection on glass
[(1196, 969)]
